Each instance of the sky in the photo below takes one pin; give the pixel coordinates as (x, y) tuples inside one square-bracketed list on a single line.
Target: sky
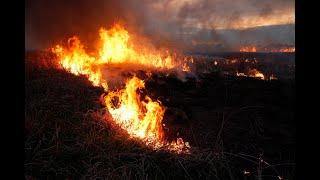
[(184, 24)]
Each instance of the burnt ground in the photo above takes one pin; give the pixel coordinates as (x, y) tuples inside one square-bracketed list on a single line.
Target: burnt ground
[(234, 124), (232, 114)]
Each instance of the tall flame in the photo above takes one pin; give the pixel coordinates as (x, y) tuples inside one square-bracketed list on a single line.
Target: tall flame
[(116, 48), (144, 123), (78, 62), (140, 117)]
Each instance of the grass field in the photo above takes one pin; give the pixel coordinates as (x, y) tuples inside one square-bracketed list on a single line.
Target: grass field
[(233, 124)]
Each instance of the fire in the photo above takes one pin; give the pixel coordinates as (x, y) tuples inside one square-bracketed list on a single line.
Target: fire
[(117, 48), (130, 115), (78, 62), (273, 50), (255, 73), (248, 49), (287, 49), (185, 68), (185, 64), (140, 116), (141, 119)]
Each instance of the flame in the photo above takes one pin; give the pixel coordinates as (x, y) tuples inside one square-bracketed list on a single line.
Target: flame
[(144, 123), (78, 62), (116, 48), (286, 49), (255, 73), (248, 49), (185, 64), (255, 49), (140, 116), (185, 68)]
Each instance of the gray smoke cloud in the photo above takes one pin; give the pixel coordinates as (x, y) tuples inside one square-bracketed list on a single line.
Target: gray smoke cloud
[(191, 25)]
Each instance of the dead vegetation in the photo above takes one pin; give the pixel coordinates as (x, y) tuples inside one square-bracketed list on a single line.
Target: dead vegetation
[(239, 129)]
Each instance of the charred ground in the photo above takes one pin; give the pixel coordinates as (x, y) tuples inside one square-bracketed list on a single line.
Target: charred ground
[(230, 121)]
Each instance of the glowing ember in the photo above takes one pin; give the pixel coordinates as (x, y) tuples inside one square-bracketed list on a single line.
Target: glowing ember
[(140, 117), (248, 49)]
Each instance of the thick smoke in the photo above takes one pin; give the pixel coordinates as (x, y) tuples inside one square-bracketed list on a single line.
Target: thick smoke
[(191, 25)]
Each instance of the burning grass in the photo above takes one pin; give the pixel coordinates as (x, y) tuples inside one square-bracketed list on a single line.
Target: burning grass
[(142, 125), (288, 49), (67, 135), (140, 118)]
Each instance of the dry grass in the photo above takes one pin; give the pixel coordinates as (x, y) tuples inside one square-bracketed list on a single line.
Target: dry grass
[(67, 136)]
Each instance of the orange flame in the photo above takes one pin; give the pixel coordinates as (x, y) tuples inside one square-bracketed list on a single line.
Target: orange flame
[(255, 73), (248, 49), (144, 124), (140, 118), (116, 48), (287, 49), (78, 62)]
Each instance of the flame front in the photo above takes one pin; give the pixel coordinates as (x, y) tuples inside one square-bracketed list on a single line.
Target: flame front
[(286, 49), (248, 49), (78, 62), (140, 117), (273, 50), (117, 48)]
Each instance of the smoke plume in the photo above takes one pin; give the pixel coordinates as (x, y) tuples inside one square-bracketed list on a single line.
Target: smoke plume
[(190, 25)]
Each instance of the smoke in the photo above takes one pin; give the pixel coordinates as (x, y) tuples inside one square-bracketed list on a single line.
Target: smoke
[(190, 25)]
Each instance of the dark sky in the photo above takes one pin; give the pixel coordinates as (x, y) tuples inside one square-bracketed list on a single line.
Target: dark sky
[(179, 21)]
